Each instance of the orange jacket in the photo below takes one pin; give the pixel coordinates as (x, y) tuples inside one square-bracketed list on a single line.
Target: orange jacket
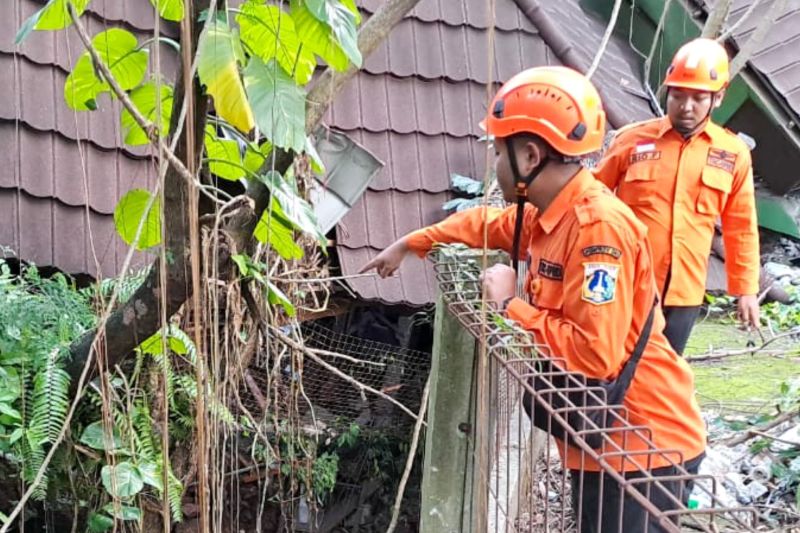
[(591, 289), (678, 187)]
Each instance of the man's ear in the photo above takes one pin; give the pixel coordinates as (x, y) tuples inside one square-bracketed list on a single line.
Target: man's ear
[(718, 98), (531, 155)]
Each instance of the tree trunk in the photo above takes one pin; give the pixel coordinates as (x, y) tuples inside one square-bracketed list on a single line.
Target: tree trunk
[(716, 19), (757, 37), (139, 317)]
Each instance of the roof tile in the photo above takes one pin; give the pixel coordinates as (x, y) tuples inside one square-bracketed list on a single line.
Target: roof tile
[(37, 164), (9, 221), (453, 13), (776, 56)]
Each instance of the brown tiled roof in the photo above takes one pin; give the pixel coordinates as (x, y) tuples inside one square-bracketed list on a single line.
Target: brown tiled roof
[(417, 102), (62, 172), (777, 57)]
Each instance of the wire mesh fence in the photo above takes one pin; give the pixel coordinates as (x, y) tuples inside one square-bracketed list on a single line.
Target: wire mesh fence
[(526, 488), (395, 372)]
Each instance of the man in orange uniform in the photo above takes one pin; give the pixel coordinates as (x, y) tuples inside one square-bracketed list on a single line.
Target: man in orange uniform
[(678, 174), (590, 284)]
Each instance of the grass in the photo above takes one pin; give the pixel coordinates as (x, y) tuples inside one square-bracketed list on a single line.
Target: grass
[(746, 383)]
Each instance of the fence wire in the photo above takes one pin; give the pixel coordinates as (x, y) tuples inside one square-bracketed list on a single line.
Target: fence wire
[(395, 371), (528, 489)]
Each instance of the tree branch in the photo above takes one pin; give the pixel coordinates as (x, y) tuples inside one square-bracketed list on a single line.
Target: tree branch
[(753, 432), (716, 19), (149, 128), (606, 37), (745, 351), (269, 331), (139, 317), (412, 451), (757, 37), (371, 35)]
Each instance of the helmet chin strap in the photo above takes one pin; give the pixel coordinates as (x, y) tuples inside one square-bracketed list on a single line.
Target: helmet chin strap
[(521, 184)]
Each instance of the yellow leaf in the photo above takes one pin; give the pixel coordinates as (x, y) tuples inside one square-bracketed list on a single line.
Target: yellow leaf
[(218, 69)]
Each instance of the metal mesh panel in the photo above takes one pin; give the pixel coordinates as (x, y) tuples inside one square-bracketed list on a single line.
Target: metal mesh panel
[(396, 372), (527, 488)]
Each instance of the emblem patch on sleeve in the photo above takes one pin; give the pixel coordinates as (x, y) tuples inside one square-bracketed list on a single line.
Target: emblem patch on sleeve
[(599, 283), (616, 253), (721, 159)]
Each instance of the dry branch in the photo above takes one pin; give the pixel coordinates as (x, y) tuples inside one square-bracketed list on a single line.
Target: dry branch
[(754, 432), (606, 37), (412, 451), (746, 351), (270, 331)]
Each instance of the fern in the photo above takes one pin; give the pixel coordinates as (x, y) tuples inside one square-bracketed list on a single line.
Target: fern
[(33, 457), (127, 286), (50, 400), (175, 495)]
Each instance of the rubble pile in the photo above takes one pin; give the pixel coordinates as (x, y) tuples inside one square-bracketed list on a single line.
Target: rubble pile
[(754, 467)]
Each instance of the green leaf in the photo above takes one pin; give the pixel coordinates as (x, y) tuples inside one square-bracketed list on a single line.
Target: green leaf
[(270, 33), (255, 156), (117, 49), (219, 151), (155, 346), (122, 480), (146, 101), (279, 104), (16, 435), (351, 5), (94, 436), (242, 262), (10, 387), (339, 17), (123, 512), (219, 51), (316, 161), (295, 209), (277, 233), (128, 214), (53, 16), (178, 345), (151, 475), (9, 411), (318, 36), (275, 296), (169, 9), (98, 523)]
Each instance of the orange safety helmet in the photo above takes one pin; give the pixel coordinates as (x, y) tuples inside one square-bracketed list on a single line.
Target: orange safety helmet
[(701, 64), (558, 104)]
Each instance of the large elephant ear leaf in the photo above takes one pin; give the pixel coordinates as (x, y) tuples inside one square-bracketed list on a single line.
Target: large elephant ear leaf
[(119, 50), (219, 52), (53, 16)]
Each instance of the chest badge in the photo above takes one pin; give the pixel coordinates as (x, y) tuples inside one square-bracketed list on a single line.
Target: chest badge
[(599, 283)]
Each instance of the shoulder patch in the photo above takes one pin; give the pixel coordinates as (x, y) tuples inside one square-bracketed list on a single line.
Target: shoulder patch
[(721, 159), (616, 253), (548, 269), (599, 283), (585, 214)]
